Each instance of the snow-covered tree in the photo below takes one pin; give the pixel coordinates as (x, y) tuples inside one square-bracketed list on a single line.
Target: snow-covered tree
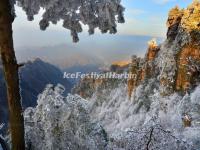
[(62, 123), (102, 14)]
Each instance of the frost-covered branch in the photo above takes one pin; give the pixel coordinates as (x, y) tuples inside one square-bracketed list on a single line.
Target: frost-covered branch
[(150, 138), (101, 14)]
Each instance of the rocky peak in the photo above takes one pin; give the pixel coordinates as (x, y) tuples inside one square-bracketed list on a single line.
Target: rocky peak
[(191, 17), (174, 19), (135, 70), (188, 64), (143, 68), (174, 16), (152, 51), (119, 66)]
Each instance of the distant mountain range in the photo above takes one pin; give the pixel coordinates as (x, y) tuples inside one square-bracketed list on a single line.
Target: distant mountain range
[(34, 75), (96, 52), (63, 56)]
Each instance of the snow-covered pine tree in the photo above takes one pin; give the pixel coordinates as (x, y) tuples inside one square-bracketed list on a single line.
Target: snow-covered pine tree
[(100, 14)]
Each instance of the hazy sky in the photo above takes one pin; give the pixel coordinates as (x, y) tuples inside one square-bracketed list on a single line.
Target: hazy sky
[(143, 17)]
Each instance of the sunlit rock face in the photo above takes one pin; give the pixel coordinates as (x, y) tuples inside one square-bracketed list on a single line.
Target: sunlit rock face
[(188, 63), (151, 54), (191, 17), (87, 86), (120, 66), (188, 52), (135, 69), (152, 50), (143, 68), (174, 19)]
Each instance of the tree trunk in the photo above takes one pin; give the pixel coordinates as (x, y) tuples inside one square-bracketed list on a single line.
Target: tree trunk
[(11, 76)]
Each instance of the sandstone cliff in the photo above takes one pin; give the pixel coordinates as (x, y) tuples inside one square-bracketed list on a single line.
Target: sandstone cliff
[(87, 87), (176, 62), (143, 68)]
